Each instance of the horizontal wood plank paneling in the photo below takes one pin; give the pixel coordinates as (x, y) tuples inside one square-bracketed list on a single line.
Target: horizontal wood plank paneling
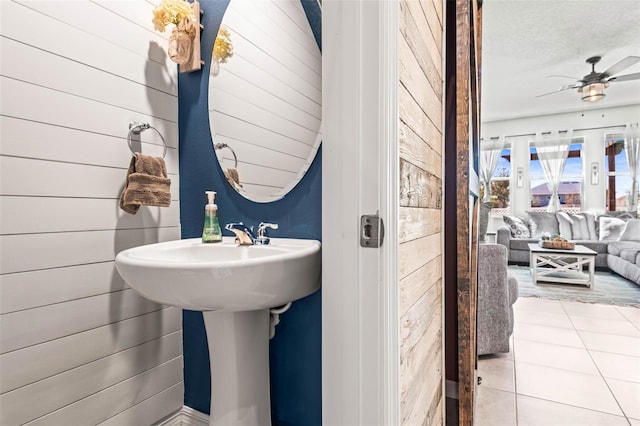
[(422, 376), (421, 153), (420, 220), (19, 98), (99, 407), (106, 25), (40, 178), (35, 400), (148, 411), (419, 188), (22, 367), (414, 285), (25, 328), (417, 41), (416, 253), (418, 317), (417, 83), (18, 22), (21, 62), (416, 10), (29, 252), (77, 346), (26, 215), (28, 139), (26, 290)]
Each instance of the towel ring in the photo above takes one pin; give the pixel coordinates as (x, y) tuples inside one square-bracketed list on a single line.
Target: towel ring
[(221, 145), (137, 128)]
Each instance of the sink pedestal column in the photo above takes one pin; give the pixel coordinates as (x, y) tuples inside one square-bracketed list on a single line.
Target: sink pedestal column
[(239, 362)]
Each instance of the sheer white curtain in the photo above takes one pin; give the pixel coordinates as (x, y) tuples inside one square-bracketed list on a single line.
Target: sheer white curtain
[(552, 150), (489, 157), (632, 149)]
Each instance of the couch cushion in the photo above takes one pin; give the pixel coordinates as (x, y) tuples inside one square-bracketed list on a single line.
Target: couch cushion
[(599, 247), (521, 243), (518, 226), (615, 247), (513, 288), (629, 254), (631, 231), (610, 228), (545, 223)]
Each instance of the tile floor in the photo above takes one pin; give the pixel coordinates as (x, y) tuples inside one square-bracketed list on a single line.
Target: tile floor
[(571, 364)]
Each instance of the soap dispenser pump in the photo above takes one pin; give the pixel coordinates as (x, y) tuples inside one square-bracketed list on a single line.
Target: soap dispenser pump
[(211, 232)]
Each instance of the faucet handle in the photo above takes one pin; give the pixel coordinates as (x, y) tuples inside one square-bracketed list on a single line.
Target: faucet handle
[(262, 232)]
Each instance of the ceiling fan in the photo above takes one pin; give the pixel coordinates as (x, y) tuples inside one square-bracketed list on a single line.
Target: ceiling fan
[(592, 85)]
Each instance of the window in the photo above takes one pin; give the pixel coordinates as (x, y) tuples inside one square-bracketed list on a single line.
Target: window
[(617, 171), (500, 184), (570, 190)]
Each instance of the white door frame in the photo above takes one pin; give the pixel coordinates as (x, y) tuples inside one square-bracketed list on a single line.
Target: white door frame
[(360, 315)]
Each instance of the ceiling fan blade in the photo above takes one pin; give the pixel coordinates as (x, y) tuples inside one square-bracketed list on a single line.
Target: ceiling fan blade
[(563, 76), (561, 89), (634, 76), (622, 65)]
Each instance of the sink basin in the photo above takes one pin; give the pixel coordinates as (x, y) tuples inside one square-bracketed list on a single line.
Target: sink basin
[(223, 276), (235, 287)]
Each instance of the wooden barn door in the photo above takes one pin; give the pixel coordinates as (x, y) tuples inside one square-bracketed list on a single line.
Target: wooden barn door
[(462, 122)]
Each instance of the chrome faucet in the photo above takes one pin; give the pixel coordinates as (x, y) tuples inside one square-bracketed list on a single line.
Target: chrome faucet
[(245, 236)]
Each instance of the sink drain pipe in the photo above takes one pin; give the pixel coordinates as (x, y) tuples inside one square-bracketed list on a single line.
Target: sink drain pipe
[(274, 318)]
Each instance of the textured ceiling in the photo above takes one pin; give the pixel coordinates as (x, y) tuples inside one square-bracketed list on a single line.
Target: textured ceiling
[(526, 41)]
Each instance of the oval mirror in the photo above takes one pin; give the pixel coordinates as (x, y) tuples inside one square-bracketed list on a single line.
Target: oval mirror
[(265, 96)]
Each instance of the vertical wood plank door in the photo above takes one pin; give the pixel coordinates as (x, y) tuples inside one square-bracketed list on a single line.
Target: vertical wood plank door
[(461, 158)]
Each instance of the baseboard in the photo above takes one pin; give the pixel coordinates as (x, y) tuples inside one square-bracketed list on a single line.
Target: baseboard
[(186, 416)]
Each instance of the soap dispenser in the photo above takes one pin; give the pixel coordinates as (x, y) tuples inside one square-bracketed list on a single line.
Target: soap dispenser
[(211, 232)]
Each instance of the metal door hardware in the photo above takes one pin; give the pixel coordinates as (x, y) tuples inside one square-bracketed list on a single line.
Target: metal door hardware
[(371, 231)]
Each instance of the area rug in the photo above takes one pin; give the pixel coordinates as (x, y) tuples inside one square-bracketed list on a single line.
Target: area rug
[(609, 288)]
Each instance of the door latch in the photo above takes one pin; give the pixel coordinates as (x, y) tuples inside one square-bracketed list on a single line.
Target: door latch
[(371, 231)]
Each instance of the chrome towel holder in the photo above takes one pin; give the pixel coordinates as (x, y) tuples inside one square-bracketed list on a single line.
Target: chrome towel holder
[(137, 128), (221, 145)]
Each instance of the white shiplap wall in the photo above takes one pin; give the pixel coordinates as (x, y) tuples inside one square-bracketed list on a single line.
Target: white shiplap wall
[(77, 346)]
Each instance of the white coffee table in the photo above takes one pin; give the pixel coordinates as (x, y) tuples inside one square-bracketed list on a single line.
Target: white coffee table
[(565, 266)]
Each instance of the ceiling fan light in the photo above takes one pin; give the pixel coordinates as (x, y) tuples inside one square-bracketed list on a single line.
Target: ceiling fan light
[(593, 92)]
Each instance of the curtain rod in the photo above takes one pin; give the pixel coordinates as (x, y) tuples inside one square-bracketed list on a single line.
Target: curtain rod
[(560, 131)]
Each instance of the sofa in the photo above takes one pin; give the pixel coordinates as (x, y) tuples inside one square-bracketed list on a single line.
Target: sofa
[(615, 237), (497, 292)]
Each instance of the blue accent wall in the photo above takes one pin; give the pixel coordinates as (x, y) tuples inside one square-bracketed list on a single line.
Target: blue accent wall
[(295, 351)]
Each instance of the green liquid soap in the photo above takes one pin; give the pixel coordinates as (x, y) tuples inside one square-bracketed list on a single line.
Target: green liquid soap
[(211, 232)]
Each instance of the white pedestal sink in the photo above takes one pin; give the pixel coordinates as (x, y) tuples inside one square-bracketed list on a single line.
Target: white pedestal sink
[(234, 286)]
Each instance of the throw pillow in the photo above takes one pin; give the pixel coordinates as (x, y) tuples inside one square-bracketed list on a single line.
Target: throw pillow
[(591, 224), (518, 227), (631, 231), (621, 214), (564, 224), (610, 228), (579, 228), (544, 222)]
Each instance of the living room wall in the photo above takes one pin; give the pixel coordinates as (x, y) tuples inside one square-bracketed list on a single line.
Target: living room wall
[(593, 149)]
